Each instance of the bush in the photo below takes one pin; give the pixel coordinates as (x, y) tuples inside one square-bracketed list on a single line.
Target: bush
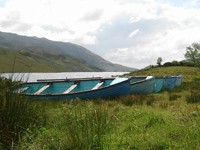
[(179, 63), (24, 52)]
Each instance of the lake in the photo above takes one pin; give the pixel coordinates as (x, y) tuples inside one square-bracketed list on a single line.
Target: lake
[(32, 77)]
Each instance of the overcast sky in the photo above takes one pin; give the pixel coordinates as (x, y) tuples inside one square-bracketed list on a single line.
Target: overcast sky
[(128, 32)]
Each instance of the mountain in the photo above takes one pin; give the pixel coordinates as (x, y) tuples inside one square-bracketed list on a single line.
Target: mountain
[(30, 61), (69, 51)]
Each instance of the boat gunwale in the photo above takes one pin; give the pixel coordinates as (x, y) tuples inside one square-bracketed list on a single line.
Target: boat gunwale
[(71, 79), (138, 82), (67, 80), (165, 77)]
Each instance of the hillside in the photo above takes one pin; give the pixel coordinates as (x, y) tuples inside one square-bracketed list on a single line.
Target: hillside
[(16, 42), (30, 61), (189, 73)]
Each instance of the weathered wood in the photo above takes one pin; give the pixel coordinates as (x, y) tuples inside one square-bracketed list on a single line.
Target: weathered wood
[(71, 88), (22, 90), (42, 89), (97, 85)]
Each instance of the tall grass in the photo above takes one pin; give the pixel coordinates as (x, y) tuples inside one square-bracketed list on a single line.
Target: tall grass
[(74, 125), (194, 96), (88, 126), (17, 114)]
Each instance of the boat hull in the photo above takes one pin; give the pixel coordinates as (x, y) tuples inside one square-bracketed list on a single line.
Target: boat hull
[(144, 86), (158, 85), (178, 80), (169, 82)]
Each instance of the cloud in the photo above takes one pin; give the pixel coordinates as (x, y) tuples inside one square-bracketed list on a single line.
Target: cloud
[(93, 15), (13, 21), (130, 32), (164, 33)]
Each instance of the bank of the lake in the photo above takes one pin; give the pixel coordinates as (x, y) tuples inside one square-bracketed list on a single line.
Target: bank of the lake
[(166, 120)]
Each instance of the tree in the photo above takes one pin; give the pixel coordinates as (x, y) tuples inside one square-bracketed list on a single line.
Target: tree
[(193, 53), (159, 60)]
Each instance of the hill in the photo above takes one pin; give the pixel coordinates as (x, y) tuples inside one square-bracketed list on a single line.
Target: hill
[(71, 51), (189, 73), (30, 61)]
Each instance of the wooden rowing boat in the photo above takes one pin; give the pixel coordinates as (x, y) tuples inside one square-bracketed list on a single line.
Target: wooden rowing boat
[(76, 88)]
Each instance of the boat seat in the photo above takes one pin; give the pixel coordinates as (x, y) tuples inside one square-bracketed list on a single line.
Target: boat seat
[(98, 85), (42, 89), (22, 90), (71, 88)]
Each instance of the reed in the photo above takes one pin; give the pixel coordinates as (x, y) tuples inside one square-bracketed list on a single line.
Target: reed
[(16, 115), (88, 126)]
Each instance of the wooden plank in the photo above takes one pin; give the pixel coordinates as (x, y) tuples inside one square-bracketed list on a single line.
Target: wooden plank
[(42, 89), (97, 85), (71, 88), (22, 90)]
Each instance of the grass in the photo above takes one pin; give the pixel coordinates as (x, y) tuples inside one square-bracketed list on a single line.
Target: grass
[(165, 120), (17, 115)]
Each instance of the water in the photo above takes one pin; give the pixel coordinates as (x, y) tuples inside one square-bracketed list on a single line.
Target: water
[(32, 77)]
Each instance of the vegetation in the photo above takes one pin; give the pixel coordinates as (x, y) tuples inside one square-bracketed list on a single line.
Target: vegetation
[(179, 63), (193, 53), (17, 116), (165, 120), (159, 61)]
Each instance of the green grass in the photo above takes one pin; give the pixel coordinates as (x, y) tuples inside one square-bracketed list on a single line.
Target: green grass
[(17, 115), (165, 120)]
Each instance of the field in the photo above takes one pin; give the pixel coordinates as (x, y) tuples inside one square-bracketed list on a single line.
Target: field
[(166, 120)]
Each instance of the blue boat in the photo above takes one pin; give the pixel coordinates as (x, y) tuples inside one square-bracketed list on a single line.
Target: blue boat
[(169, 82), (92, 88), (178, 80), (159, 82), (142, 85)]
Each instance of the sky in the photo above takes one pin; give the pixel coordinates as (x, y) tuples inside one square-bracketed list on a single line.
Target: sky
[(133, 33)]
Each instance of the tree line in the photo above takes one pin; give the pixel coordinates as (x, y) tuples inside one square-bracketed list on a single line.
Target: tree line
[(192, 56)]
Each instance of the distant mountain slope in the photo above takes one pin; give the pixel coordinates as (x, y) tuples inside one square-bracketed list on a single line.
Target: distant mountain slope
[(30, 61), (17, 42)]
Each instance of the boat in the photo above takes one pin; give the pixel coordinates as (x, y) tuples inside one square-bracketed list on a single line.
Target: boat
[(169, 82), (142, 85), (159, 82), (88, 88), (179, 79)]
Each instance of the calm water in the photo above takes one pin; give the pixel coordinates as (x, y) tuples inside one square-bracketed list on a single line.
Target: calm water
[(32, 77)]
